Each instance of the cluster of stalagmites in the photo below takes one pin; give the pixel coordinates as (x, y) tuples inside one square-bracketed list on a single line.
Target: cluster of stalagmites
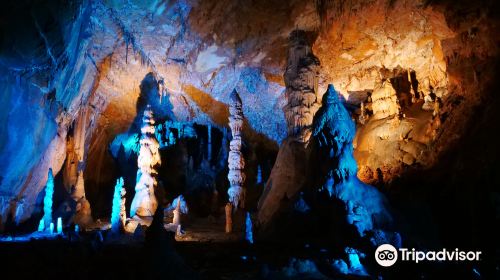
[(384, 102), (301, 80)]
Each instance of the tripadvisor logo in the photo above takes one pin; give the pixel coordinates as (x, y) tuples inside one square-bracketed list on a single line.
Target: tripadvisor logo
[(387, 255)]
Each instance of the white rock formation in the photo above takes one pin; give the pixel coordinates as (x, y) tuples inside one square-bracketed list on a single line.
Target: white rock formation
[(144, 203), (236, 162), (301, 80)]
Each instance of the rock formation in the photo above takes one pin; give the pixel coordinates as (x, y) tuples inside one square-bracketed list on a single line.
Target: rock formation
[(289, 173), (236, 162), (228, 210), (384, 101), (178, 207), (83, 213), (118, 211), (144, 203), (334, 131), (73, 171), (248, 228), (301, 80), (48, 199)]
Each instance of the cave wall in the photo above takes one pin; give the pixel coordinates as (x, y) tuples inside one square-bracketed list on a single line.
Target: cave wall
[(64, 63)]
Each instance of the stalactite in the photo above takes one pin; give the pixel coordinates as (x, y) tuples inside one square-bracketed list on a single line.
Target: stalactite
[(144, 203)]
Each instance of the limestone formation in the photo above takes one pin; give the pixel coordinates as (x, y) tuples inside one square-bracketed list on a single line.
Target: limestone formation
[(362, 116), (83, 213), (384, 101), (178, 207), (301, 80), (228, 210), (144, 203), (177, 213), (118, 211), (48, 199), (289, 172), (236, 162), (73, 175), (334, 130)]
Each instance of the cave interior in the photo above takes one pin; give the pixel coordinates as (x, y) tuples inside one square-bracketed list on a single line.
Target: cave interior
[(263, 139)]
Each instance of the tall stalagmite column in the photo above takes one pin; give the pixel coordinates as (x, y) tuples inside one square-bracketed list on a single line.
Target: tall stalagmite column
[(48, 200), (301, 80), (73, 175), (144, 203), (118, 211), (290, 170), (236, 162)]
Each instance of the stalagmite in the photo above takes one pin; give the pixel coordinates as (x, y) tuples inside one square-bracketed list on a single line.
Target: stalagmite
[(301, 80), (41, 225), (209, 142), (236, 162), (259, 175), (83, 215), (229, 217), (412, 91), (248, 229), (385, 101), (118, 211), (362, 117), (289, 173), (177, 213), (47, 200), (73, 175), (178, 207), (59, 226), (334, 130), (144, 203)]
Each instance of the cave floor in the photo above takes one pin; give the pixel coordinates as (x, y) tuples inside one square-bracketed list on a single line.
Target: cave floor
[(208, 230)]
